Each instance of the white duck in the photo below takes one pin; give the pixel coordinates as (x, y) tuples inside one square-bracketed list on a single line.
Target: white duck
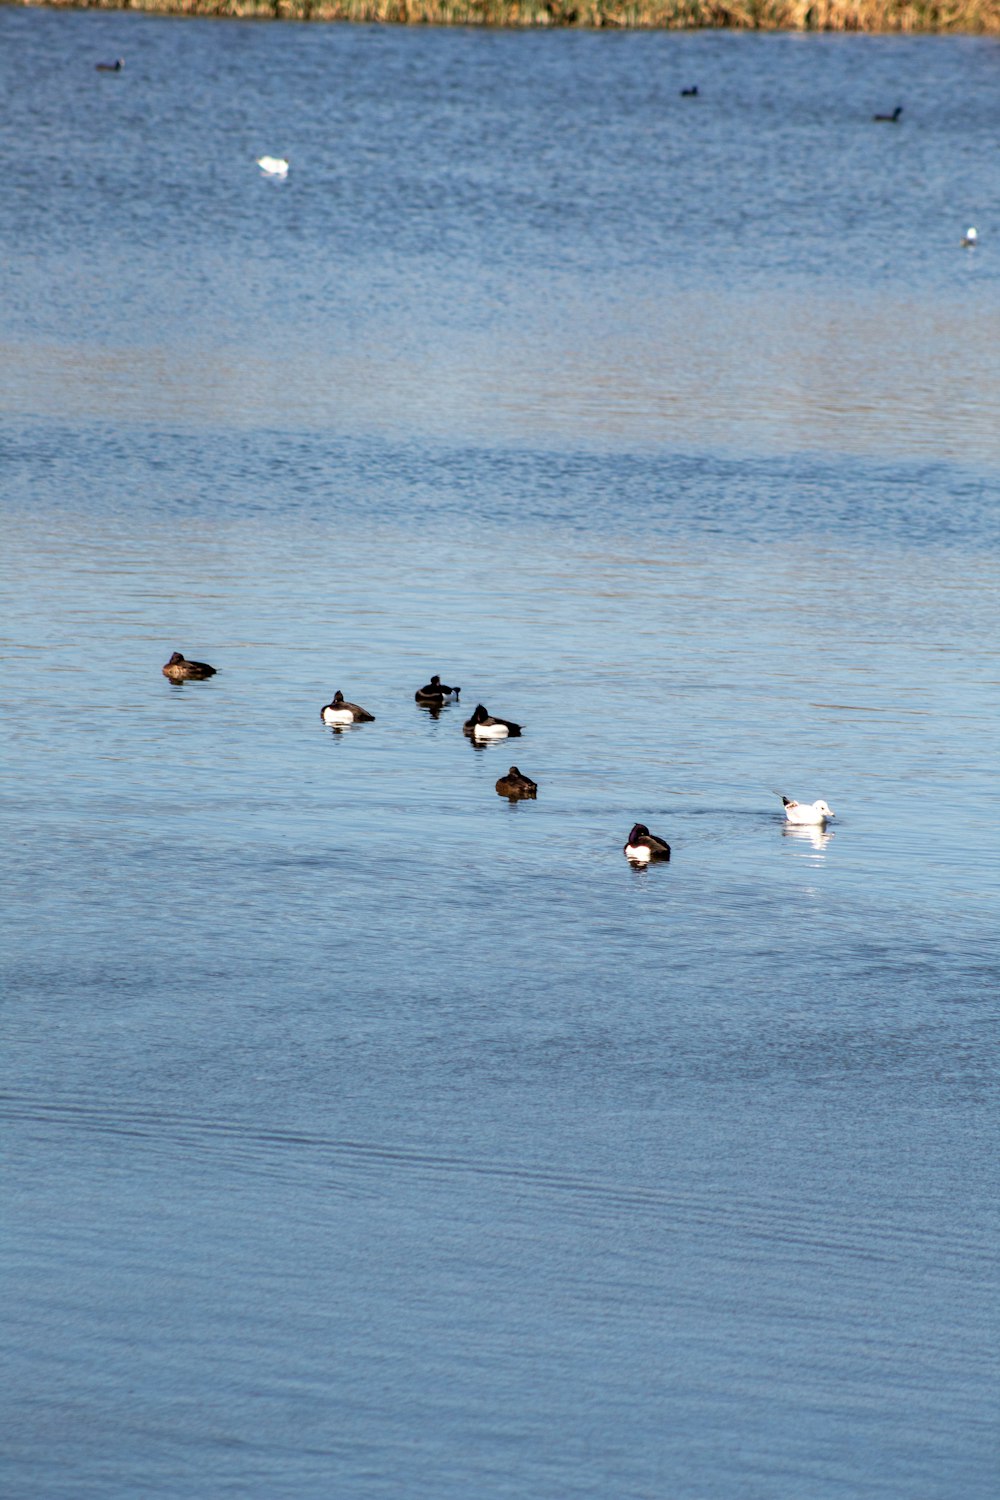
[(273, 166), (807, 812)]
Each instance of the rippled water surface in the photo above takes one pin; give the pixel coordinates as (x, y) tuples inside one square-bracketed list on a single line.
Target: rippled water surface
[(368, 1135)]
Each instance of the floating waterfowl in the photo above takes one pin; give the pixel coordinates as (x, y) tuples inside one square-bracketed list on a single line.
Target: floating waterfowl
[(339, 711), (890, 119), (273, 166), (436, 692), (691, 93), (641, 846), (114, 67), (807, 812), (515, 785), (970, 237), (180, 670), (483, 726)]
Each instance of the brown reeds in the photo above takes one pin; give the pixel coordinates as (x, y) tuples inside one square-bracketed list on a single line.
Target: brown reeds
[(971, 16)]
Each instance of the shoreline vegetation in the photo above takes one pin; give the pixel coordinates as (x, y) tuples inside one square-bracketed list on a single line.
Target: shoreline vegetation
[(927, 16)]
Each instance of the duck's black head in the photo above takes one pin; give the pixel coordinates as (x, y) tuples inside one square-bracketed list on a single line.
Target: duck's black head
[(639, 831), (338, 696)]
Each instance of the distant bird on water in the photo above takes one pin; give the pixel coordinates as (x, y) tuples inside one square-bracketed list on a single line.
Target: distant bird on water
[(890, 119), (807, 812), (691, 93), (339, 711), (273, 166), (483, 726), (516, 785), (436, 692), (114, 67), (970, 237), (641, 846), (180, 670)]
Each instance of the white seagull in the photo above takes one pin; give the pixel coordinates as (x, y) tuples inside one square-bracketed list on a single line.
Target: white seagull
[(807, 812), (970, 237), (273, 166)]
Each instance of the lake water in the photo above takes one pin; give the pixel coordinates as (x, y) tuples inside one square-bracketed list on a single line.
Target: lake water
[(367, 1135)]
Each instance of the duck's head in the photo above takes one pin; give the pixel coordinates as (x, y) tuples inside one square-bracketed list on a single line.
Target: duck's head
[(175, 660), (338, 696), (639, 831)]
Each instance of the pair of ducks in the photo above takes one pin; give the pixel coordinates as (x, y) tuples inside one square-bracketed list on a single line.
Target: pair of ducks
[(642, 846), (433, 694)]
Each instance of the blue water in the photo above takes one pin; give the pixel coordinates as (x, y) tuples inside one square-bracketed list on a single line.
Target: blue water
[(367, 1135)]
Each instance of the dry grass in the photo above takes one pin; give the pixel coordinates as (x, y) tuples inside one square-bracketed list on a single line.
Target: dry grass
[(973, 16)]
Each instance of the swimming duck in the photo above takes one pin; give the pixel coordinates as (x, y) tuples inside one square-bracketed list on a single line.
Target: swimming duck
[(436, 692), (114, 67), (179, 670), (691, 93), (807, 812), (890, 119), (515, 785), (970, 237), (339, 711), (482, 726), (642, 846), (273, 166)]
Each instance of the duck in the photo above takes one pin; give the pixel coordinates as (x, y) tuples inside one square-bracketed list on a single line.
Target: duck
[(643, 846), (970, 237), (436, 692), (114, 67), (273, 166), (807, 812), (482, 726), (515, 785), (180, 670), (890, 119), (691, 93), (339, 711)]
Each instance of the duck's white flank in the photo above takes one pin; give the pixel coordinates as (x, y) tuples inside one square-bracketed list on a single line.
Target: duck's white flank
[(491, 731)]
